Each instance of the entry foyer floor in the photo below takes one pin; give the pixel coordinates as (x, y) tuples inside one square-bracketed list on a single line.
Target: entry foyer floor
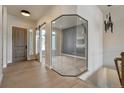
[(32, 74)]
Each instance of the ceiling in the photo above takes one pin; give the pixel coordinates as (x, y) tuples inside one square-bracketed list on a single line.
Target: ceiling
[(37, 11)]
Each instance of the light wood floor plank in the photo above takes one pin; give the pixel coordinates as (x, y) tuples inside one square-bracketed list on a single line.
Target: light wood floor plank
[(31, 74)]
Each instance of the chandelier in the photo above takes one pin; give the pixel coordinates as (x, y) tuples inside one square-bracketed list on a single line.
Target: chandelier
[(108, 22)]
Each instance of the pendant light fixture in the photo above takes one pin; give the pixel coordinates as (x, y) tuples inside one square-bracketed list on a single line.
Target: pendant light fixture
[(25, 13), (108, 21)]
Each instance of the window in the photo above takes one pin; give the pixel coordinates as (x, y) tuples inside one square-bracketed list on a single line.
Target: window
[(43, 40), (37, 41), (53, 41), (30, 42)]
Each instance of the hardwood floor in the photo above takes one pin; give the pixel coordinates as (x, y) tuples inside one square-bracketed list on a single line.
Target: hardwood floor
[(31, 74), (67, 65)]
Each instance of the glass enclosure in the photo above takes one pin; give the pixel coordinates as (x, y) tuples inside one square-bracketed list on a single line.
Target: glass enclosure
[(69, 45)]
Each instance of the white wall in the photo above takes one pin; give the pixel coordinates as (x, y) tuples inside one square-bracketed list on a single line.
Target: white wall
[(113, 42), (4, 36), (15, 21), (55, 12), (1, 74), (95, 37)]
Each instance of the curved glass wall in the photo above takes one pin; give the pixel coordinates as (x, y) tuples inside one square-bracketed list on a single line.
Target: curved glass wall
[(69, 45)]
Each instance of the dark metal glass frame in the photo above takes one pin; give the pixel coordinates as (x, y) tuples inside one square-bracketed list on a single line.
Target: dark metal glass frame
[(86, 46)]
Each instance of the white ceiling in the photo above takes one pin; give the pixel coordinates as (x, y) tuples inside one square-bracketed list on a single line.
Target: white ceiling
[(37, 11)]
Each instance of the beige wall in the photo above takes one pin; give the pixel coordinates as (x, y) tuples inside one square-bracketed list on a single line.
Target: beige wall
[(15, 21), (1, 74)]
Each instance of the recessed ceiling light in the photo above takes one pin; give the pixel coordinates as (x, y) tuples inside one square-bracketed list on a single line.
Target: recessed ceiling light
[(25, 13)]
